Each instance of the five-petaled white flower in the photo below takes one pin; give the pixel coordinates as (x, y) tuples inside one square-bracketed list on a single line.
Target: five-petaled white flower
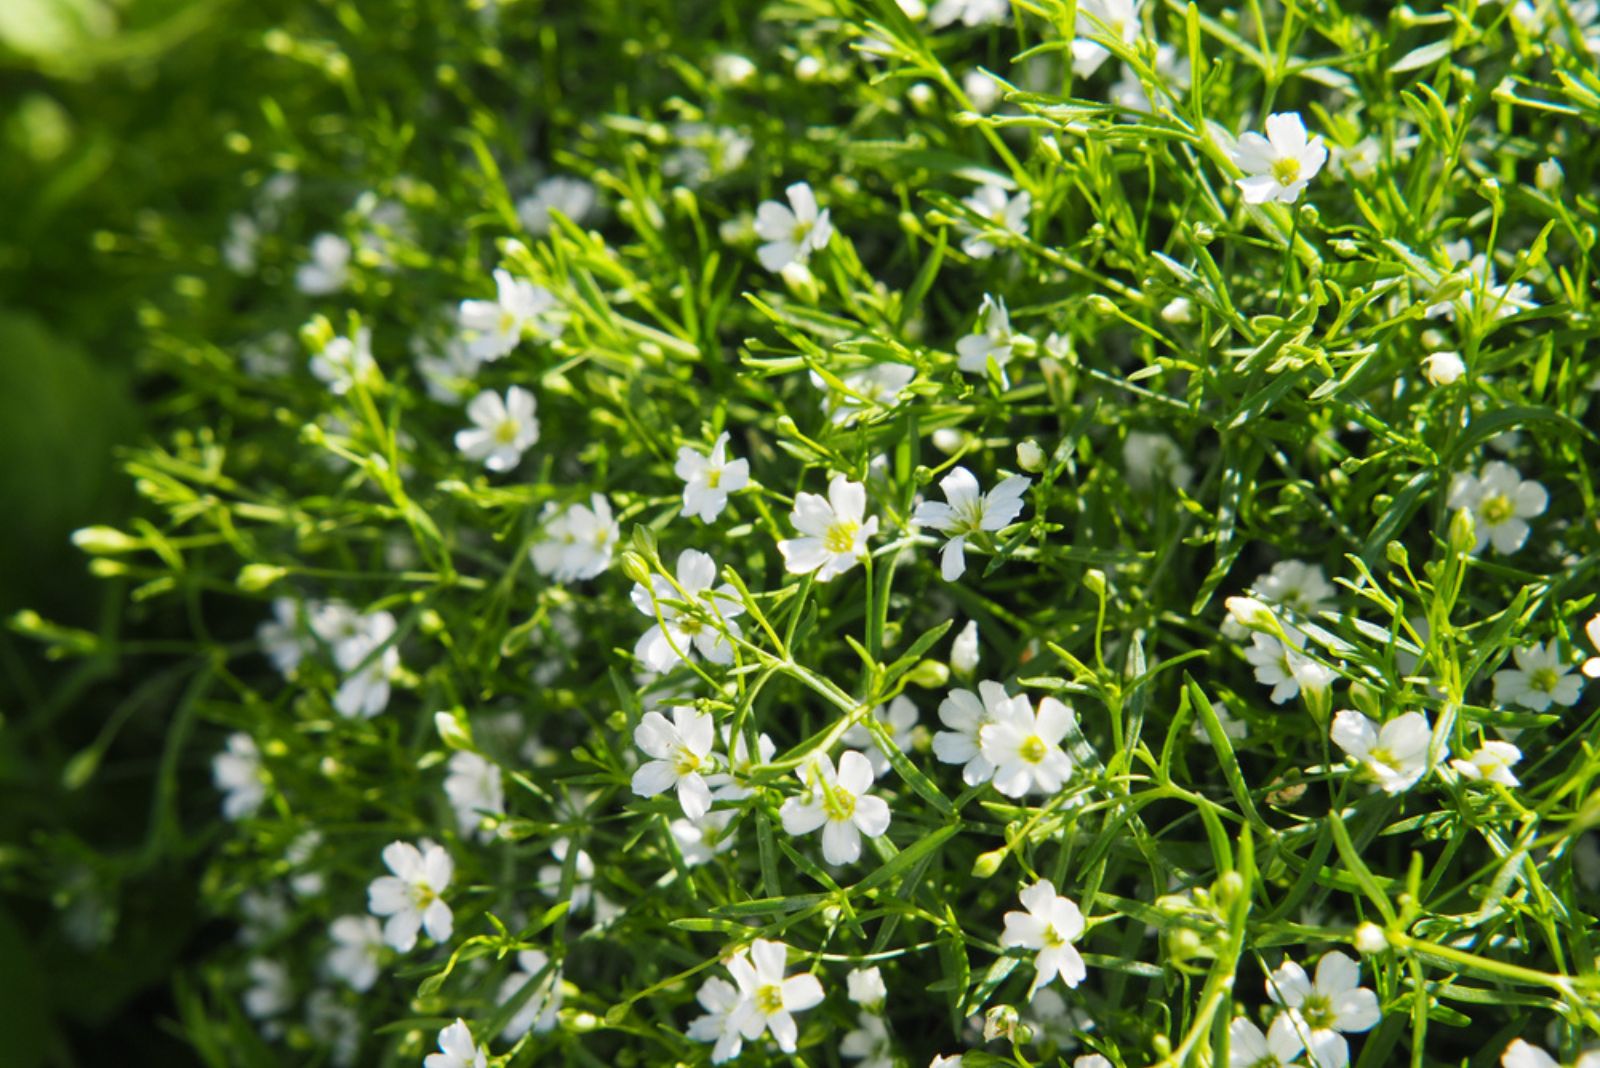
[(1501, 502), (837, 802), (1025, 747), (878, 385), (698, 619), (1492, 762), (1541, 677), (865, 987), (968, 12), (682, 754), (497, 326), (344, 361), (578, 540), (357, 948), (794, 232), (1520, 1054), (412, 898), (868, 1042), (707, 480), (966, 714), (237, 773), (538, 1012), (1396, 754), (1320, 1011), (1049, 926), (768, 1000), (834, 528), (1001, 211), (718, 1024), (969, 511), (700, 840), (474, 788), (502, 430), (456, 1049), (1249, 1048), (899, 719), (1117, 19), (1278, 166)]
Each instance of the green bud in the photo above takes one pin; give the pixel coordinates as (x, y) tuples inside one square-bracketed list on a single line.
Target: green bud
[(988, 863), (256, 577), (103, 540), (1397, 554), (1463, 532), (1030, 457), (453, 729), (929, 674), (634, 566)]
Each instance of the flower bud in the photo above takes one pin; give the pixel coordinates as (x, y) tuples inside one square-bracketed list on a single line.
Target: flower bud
[(988, 863), (1178, 310), (1370, 938), (99, 541), (1548, 176), (1251, 614), (964, 650), (999, 1022), (1463, 532), (1443, 368), (453, 729), (1030, 457), (634, 566), (255, 577), (929, 674)]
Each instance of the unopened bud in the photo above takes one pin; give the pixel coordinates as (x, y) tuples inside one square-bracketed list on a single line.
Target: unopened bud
[(99, 541), (929, 674), (1030, 457), (255, 577), (1370, 938), (964, 650), (988, 863), (1548, 176), (1463, 532), (453, 729)]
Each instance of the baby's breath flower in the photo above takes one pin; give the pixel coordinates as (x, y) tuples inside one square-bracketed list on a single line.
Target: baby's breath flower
[(412, 897), (1001, 211), (237, 772), (1117, 19), (899, 718), (1491, 762), (329, 269), (1501, 502), (1278, 166), (794, 232), (969, 512), (475, 791), (1049, 926), (539, 1012), (768, 1000), (358, 948), (702, 627), (709, 479), (1396, 754), (578, 540), (838, 803), (1542, 677), (495, 327), (457, 1049), (682, 753), (1024, 746), (1324, 1011), (834, 530)]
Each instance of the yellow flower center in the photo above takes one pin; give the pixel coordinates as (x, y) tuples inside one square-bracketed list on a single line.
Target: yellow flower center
[(714, 477), (1318, 1012), (684, 762), (837, 802), (506, 432), (1052, 937), (841, 536), (1544, 679), (508, 322), (1033, 749), (1496, 510), (1286, 170), (769, 999)]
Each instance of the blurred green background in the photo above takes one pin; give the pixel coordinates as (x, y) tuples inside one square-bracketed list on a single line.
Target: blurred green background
[(113, 114)]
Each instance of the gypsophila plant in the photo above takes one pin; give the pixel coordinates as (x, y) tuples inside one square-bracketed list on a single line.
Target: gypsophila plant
[(881, 533)]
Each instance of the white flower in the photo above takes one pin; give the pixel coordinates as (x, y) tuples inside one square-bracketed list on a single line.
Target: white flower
[(865, 986), (1482, 287), (1540, 678), (1492, 762), (497, 326), (1520, 1054), (838, 803), (1151, 459), (792, 233), (682, 751), (994, 339), (834, 530), (1591, 666), (538, 1012), (968, 12), (1025, 747), (967, 714), (707, 480), (357, 949), (269, 993), (729, 785), (548, 878), (1443, 368), (334, 1025), (1278, 166), (474, 789), (329, 269), (369, 658), (578, 540), (722, 1001), (411, 897), (964, 650), (456, 1049), (236, 771), (1049, 926), (1001, 211), (1232, 727), (572, 197), (868, 1043), (878, 385), (281, 637), (1548, 176), (704, 627), (345, 361), (1118, 19), (1396, 754), (899, 718), (1501, 502), (502, 429), (768, 1000), (1284, 667), (1249, 1048), (1298, 586), (700, 840), (969, 511), (1336, 1002), (1091, 1060)]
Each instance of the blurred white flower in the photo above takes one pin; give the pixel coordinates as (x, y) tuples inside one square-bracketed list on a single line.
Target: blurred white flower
[(237, 772), (1541, 677), (1396, 754), (707, 480), (1501, 502), (794, 232), (412, 897), (475, 790), (502, 430), (1001, 211), (578, 540)]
